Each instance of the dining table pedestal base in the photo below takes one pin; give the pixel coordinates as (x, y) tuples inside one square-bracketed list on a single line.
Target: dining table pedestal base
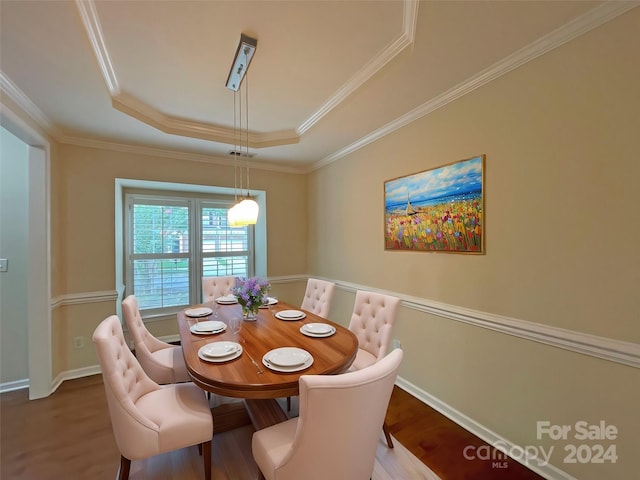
[(264, 412), (229, 416), (259, 412)]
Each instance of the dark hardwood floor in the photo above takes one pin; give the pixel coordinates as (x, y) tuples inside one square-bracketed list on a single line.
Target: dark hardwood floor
[(439, 443), (43, 439)]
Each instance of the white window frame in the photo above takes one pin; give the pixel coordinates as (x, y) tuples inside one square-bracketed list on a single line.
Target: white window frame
[(132, 198), (259, 236)]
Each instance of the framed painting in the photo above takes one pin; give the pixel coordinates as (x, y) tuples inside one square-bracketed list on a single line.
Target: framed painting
[(437, 210)]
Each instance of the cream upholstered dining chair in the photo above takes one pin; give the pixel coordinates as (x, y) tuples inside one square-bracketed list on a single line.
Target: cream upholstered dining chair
[(148, 419), (215, 287), (317, 299), (162, 361), (337, 431), (372, 321), (317, 296)]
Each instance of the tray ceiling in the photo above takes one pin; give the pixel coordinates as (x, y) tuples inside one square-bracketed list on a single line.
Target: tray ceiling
[(327, 76)]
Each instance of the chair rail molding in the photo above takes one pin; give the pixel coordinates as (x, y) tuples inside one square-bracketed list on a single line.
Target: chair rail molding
[(83, 297), (619, 351)]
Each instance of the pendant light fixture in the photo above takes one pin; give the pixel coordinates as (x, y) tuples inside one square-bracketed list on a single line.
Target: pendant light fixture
[(246, 211)]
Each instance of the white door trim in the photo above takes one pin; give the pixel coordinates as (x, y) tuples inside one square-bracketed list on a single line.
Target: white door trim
[(39, 253)]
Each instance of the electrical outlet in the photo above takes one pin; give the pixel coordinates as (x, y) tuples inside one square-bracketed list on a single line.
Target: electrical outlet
[(78, 342)]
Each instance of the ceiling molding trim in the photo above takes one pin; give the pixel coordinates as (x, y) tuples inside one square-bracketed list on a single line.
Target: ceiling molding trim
[(188, 128), (173, 154), (145, 113), (410, 10), (579, 26), (91, 22), (12, 91)]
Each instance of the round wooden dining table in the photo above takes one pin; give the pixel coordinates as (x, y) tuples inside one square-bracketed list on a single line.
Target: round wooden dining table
[(247, 376)]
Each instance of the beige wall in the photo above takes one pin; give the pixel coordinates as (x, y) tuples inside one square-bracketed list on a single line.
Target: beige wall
[(561, 136), (83, 185)]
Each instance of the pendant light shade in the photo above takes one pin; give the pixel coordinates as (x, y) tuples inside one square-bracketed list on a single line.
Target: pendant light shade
[(246, 212), (232, 216)]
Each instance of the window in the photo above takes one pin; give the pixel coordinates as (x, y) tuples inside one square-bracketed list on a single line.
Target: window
[(171, 242)]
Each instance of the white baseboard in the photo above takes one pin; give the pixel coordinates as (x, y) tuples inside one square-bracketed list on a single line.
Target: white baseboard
[(14, 385), (548, 470), (73, 374)]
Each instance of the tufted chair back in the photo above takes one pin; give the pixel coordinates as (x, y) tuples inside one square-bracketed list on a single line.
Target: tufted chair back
[(337, 431), (215, 287), (147, 419), (317, 297), (163, 362), (125, 382), (372, 321)]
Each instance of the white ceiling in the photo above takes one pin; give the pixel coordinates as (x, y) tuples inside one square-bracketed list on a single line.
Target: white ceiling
[(327, 76)]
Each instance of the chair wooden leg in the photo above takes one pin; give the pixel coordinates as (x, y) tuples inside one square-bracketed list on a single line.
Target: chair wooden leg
[(207, 459), (387, 435), (125, 465), (288, 404)]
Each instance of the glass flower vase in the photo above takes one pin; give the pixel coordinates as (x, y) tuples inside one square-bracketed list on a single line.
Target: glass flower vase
[(250, 313)]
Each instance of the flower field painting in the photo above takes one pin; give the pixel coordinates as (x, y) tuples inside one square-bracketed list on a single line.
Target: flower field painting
[(437, 210)]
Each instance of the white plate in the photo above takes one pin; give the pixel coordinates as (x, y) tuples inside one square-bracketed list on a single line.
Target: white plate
[(270, 301), (220, 351), (208, 327), (290, 315), (312, 333), (288, 356), (227, 300), (198, 312), (318, 328)]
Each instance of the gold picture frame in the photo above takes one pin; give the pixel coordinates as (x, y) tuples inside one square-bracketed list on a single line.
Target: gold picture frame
[(437, 210)]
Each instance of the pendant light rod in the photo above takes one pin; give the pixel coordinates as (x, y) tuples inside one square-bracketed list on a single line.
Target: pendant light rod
[(246, 211), (246, 106)]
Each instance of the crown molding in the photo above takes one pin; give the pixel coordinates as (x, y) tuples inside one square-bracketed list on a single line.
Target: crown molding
[(144, 112), (578, 26), (173, 154), (91, 22), (410, 15), (11, 90), (148, 114), (583, 24)]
